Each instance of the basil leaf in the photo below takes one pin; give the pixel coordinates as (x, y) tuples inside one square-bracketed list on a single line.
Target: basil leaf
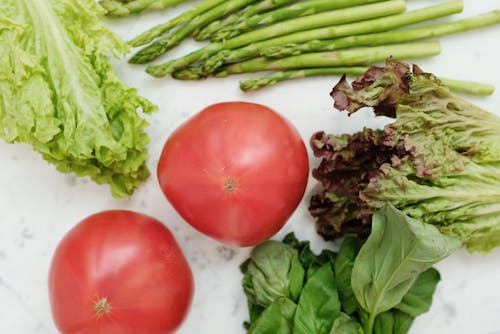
[(394, 321), (398, 249), (296, 277), (402, 322), (344, 324), (384, 323), (275, 319), (418, 300), (343, 268), (318, 305), (272, 273)]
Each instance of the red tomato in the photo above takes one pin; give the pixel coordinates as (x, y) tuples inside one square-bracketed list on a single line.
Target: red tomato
[(235, 171), (119, 272)]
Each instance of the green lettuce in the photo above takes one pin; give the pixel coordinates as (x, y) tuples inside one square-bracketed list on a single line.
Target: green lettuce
[(60, 93), (438, 161)]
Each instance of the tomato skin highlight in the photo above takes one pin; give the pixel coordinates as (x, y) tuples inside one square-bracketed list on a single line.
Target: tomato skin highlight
[(126, 262), (235, 171)]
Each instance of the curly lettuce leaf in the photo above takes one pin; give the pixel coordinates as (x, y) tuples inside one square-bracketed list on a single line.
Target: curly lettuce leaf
[(59, 92), (439, 161)]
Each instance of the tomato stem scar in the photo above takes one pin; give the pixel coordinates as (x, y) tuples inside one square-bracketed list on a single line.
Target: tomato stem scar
[(230, 185), (102, 307)]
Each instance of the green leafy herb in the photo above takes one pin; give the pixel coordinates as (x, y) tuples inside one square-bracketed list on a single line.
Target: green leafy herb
[(346, 325), (344, 262), (275, 319), (272, 272), (419, 298), (398, 249), (318, 305), (378, 287), (60, 94)]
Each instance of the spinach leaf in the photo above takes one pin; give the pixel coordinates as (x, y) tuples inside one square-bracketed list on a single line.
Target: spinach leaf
[(398, 249), (318, 305), (344, 324), (275, 319), (343, 268), (418, 300)]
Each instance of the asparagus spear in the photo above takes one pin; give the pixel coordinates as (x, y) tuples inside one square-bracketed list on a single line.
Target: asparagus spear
[(475, 88), (343, 58), (286, 28), (260, 82), (166, 43), (150, 34), (261, 6), (353, 57), (468, 87), (223, 51), (118, 8), (398, 36), (296, 10)]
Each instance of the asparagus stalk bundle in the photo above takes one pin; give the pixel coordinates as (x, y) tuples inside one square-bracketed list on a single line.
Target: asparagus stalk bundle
[(351, 57), (300, 38), (118, 8), (166, 43), (298, 9), (223, 53), (282, 31), (161, 29), (254, 9), (388, 37)]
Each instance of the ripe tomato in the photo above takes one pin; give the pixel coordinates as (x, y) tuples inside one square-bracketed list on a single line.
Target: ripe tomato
[(119, 272), (235, 171)]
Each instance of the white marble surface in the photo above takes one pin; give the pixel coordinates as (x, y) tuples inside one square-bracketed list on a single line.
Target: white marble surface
[(39, 205)]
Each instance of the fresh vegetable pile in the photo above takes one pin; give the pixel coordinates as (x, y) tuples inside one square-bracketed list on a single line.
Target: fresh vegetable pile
[(376, 287), (404, 197), (299, 38), (59, 92), (439, 161)]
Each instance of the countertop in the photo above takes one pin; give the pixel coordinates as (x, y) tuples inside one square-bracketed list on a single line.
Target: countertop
[(38, 205)]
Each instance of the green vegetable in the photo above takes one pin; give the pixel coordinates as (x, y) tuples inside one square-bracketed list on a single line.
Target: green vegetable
[(398, 249), (318, 305), (276, 319), (60, 94), (242, 15), (117, 8), (382, 38), (178, 21), (344, 262), (354, 57), (217, 55), (439, 161), (274, 271), (162, 45), (344, 324), (468, 87), (419, 298), (383, 284), (298, 9), (267, 35)]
